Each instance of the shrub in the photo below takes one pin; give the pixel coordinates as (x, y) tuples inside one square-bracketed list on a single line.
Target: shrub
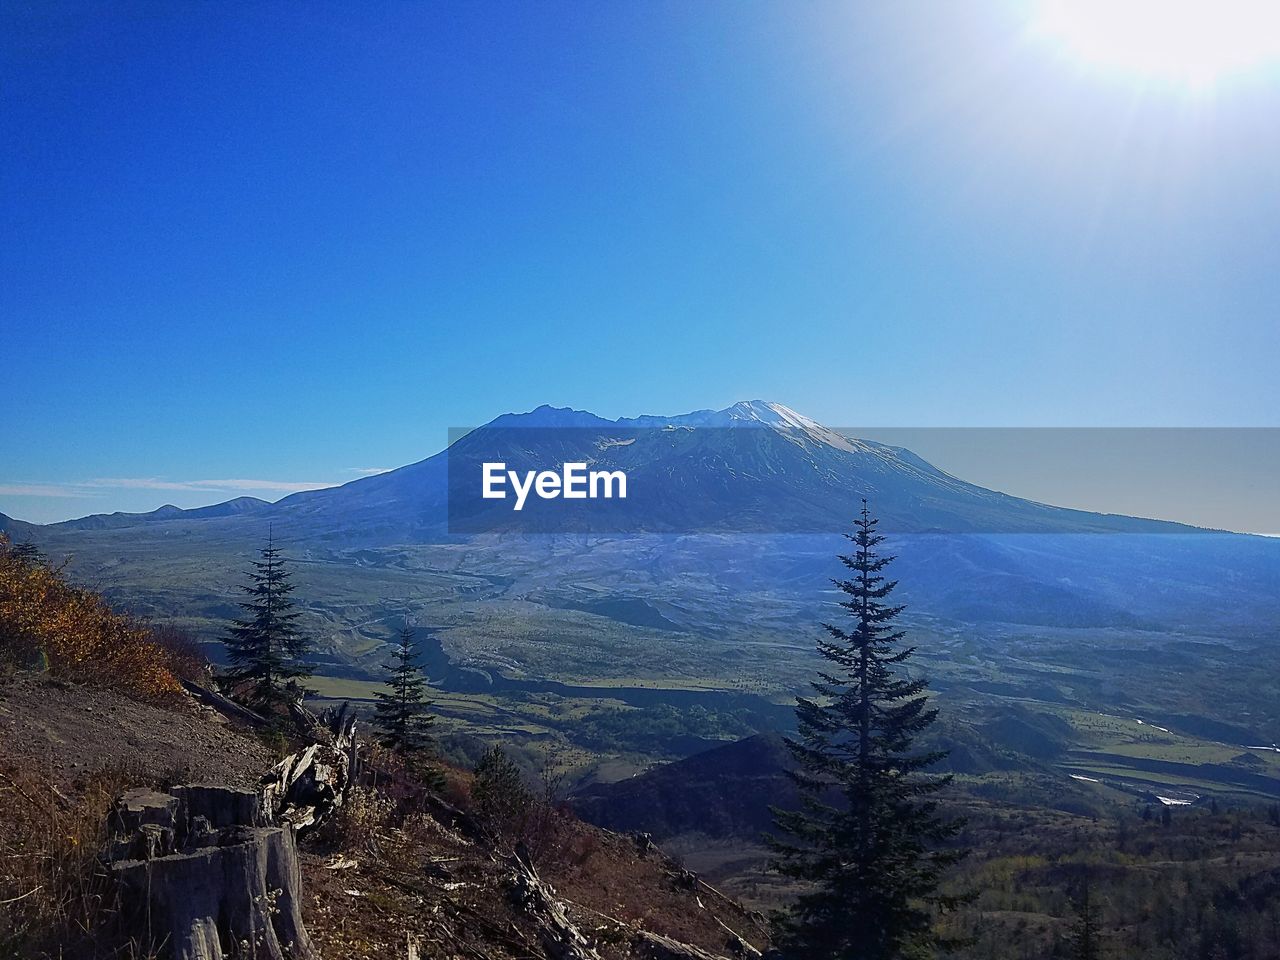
[(499, 797), (187, 660), (363, 815), (47, 623)]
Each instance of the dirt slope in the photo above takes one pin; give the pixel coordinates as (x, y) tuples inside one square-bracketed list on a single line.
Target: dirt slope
[(72, 731)]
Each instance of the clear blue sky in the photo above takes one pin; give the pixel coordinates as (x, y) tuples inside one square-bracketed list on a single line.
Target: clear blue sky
[(282, 243)]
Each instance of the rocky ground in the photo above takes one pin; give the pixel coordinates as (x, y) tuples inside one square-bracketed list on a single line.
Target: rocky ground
[(449, 896)]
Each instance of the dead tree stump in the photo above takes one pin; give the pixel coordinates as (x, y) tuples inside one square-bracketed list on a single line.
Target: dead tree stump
[(201, 876)]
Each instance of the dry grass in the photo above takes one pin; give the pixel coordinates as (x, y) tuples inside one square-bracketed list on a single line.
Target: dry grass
[(55, 896)]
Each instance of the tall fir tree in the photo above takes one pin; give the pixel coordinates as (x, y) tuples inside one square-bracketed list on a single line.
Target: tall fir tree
[(402, 713), (868, 839), (265, 648)]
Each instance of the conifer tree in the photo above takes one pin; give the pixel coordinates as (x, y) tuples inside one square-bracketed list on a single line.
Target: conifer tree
[(499, 797), (402, 712), (868, 838), (265, 648), (28, 553), (1085, 936)]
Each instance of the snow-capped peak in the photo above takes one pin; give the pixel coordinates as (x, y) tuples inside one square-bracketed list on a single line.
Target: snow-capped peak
[(787, 421)]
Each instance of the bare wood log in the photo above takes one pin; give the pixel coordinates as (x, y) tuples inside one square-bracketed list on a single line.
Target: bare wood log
[(305, 720), (738, 946), (225, 706), (652, 946), (559, 936)]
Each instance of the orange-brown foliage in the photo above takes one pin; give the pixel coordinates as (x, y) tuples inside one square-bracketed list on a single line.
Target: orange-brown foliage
[(46, 621)]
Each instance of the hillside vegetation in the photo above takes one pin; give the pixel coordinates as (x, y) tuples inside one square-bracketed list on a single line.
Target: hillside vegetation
[(73, 634)]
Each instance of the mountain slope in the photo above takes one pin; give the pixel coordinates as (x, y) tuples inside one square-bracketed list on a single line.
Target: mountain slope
[(753, 467), (18, 530)]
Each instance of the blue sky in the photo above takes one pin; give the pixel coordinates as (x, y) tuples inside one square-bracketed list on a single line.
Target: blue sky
[(253, 247)]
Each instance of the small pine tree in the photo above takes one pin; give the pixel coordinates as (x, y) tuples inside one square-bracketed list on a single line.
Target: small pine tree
[(499, 797), (402, 712), (873, 857), (265, 648), (28, 553)]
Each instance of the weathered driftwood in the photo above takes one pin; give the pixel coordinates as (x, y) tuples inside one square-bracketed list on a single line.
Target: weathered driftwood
[(306, 722), (304, 788), (225, 706), (558, 935), (735, 943), (651, 946), (342, 725), (200, 876), (644, 843)]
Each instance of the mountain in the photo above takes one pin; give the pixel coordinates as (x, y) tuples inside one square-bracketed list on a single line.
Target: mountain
[(754, 467), (730, 790), (716, 565), (18, 530), (727, 791), (240, 506)]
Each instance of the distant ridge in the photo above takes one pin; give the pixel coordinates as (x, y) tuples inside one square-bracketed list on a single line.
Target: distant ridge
[(976, 556), (16, 529), (726, 791), (240, 506)]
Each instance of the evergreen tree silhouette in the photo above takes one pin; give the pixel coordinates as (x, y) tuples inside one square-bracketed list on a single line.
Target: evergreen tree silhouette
[(265, 648), (402, 714), (1084, 937), (28, 553), (868, 838)]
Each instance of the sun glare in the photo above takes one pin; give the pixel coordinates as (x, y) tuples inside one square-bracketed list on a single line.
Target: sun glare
[(1191, 43)]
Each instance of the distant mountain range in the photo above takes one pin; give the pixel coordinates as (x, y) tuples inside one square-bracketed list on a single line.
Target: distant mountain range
[(387, 546), (731, 790)]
